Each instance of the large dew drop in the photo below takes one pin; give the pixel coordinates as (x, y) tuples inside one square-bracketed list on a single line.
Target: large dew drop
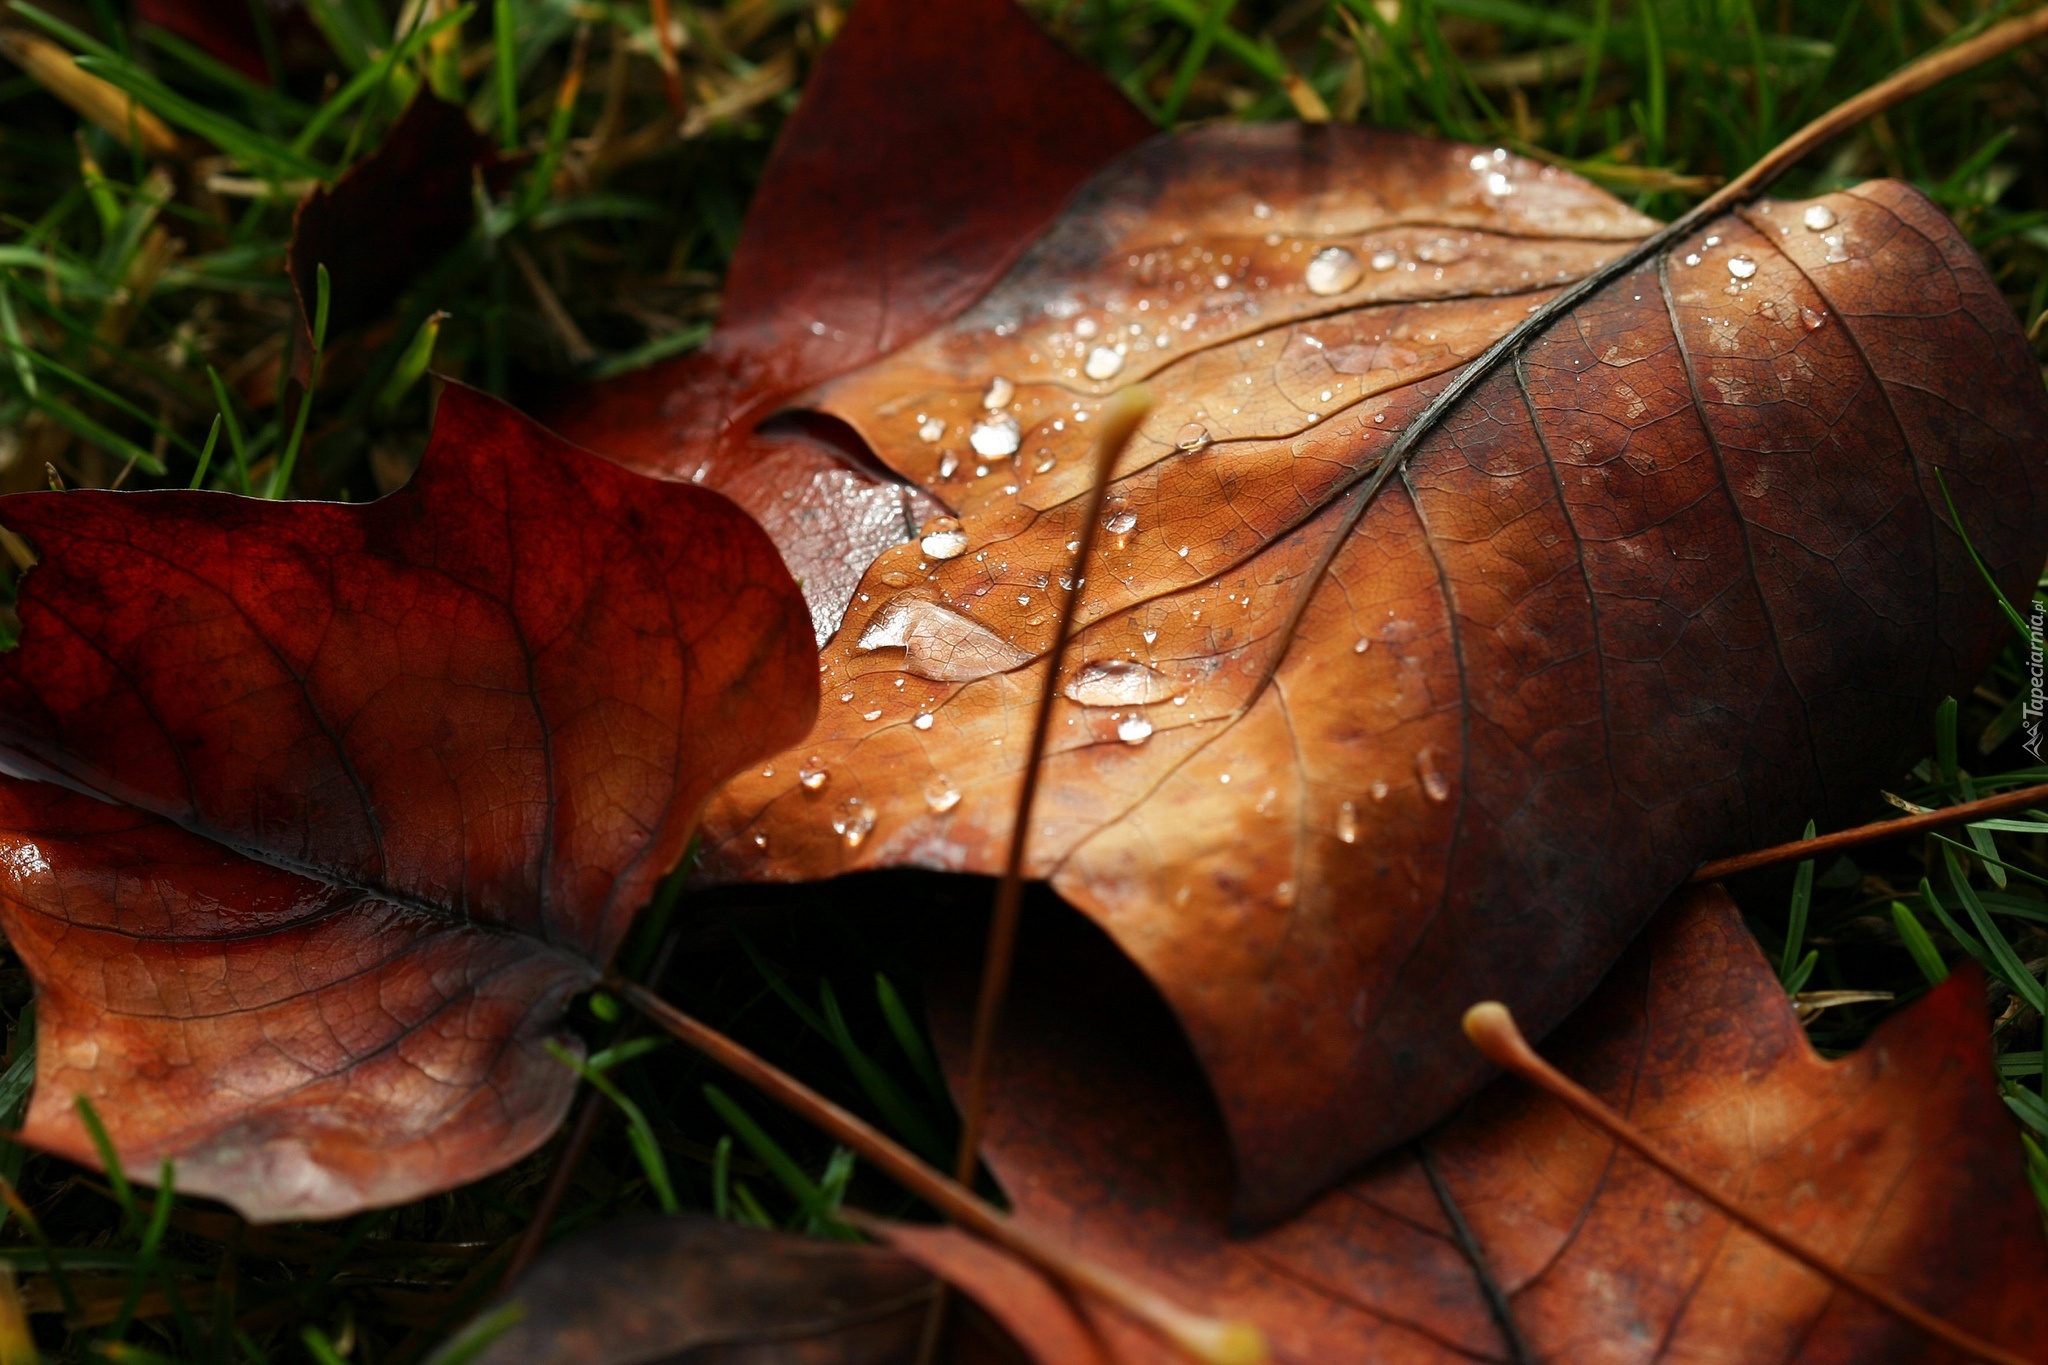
[(1818, 218), (852, 820), (997, 434), (1118, 682), (938, 642), (1103, 363), (942, 538), (1741, 267), (1333, 270)]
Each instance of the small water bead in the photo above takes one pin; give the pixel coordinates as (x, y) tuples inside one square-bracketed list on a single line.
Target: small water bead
[(1837, 252), (1741, 267), (1435, 785), (1045, 466), (1692, 258), (871, 715), (998, 434), (1332, 270), (760, 841), (846, 696), (1818, 218), (1379, 791), (1134, 730), (1347, 823), (942, 538), (1121, 523), (1103, 363), (1221, 281), (1385, 259), (949, 465), (932, 430), (1117, 682), (1498, 184), (812, 774), (923, 721), (1812, 320), (853, 820), (1000, 392), (1362, 645), (940, 795), (1193, 436), (1150, 635), (1085, 328)]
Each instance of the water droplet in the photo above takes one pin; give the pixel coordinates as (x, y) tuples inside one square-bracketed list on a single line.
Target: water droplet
[(1379, 417), (1379, 791), (853, 819), (1498, 184), (812, 775), (942, 538), (1000, 392), (1224, 779), (1120, 523), (871, 715), (1284, 893), (1150, 635), (1435, 785), (998, 434), (1045, 466), (938, 642), (1813, 321), (1818, 217), (1385, 259), (1103, 363), (1117, 682), (923, 721), (1741, 267), (1085, 328), (1332, 270), (940, 796), (1362, 645), (1134, 730), (932, 430), (1193, 436), (1347, 823), (1714, 241), (1837, 252), (949, 465), (768, 771), (1268, 802)]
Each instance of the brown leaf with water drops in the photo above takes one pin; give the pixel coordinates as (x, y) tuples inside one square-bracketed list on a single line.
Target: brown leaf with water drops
[(1329, 771), (1898, 1161), (1330, 767)]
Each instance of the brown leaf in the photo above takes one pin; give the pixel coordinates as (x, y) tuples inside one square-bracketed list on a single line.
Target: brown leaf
[(1898, 1160), (353, 799), (1332, 768)]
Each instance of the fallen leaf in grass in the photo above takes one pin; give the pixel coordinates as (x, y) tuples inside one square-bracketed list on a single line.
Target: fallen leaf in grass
[(934, 142), (225, 30), (390, 218), (691, 1289), (354, 798), (1897, 1160), (1668, 583)]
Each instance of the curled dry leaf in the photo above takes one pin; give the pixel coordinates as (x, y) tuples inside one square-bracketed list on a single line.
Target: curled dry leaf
[(1897, 1161), (341, 804), (1331, 769)]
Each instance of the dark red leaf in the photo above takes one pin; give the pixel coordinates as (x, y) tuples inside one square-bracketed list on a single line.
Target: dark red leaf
[(934, 142), (377, 789), (390, 218)]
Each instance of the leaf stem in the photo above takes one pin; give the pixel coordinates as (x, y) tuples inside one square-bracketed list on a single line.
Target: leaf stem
[(1492, 1030), (1211, 1340), (1800, 849)]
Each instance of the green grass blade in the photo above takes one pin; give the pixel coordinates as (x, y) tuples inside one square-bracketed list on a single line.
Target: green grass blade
[(1919, 946)]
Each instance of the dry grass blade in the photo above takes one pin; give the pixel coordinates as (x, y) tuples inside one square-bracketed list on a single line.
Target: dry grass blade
[(1493, 1031), (1120, 419), (1211, 1340), (106, 105), (1799, 850)]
